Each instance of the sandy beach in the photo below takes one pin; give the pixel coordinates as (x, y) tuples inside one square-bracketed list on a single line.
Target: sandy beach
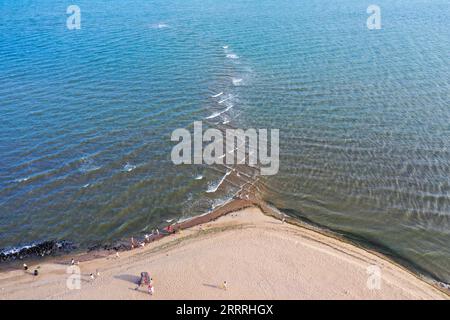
[(259, 257)]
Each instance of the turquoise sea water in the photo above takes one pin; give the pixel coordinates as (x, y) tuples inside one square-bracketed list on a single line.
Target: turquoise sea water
[(86, 117)]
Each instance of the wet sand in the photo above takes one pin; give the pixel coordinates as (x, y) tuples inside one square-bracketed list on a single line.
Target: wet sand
[(259, 256)]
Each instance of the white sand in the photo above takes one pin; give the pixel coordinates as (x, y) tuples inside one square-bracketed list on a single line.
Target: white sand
[(258, 256)]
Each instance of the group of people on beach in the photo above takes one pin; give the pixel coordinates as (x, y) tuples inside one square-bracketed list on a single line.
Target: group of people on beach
[(146, 280), (34, 273), (155, 234)]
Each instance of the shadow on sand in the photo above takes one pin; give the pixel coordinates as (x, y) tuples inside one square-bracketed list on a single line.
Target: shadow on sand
[(129, 278), (212, 286)]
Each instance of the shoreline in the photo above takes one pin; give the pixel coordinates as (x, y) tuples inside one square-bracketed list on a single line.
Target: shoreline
[(227, 210), (244, 198), (100, 251)]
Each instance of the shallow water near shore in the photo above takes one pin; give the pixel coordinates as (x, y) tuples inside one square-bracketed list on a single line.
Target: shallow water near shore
[(86, 117)]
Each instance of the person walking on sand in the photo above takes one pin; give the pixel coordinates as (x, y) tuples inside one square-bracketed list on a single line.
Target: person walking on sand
[(224, 286)]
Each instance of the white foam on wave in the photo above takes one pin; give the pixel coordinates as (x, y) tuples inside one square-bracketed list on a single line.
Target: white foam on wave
[(220, 202), (217, 95), (232, 56), (22, 179), (129, 167), (225, 47), (213, 188), (227, 108), (216, 114), (226, 99), (215, 203), (88, 165), (236, 81), (15, 250), (160, 25)]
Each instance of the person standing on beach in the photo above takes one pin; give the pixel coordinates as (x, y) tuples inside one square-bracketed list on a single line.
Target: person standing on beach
[(169, 228), (151, 289), (133, 243)]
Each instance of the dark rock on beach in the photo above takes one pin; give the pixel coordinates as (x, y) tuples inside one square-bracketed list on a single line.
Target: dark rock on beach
[(118, 246), (41, 249)]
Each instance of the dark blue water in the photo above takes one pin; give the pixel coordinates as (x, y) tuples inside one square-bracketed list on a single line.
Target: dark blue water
[(86, 116)]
